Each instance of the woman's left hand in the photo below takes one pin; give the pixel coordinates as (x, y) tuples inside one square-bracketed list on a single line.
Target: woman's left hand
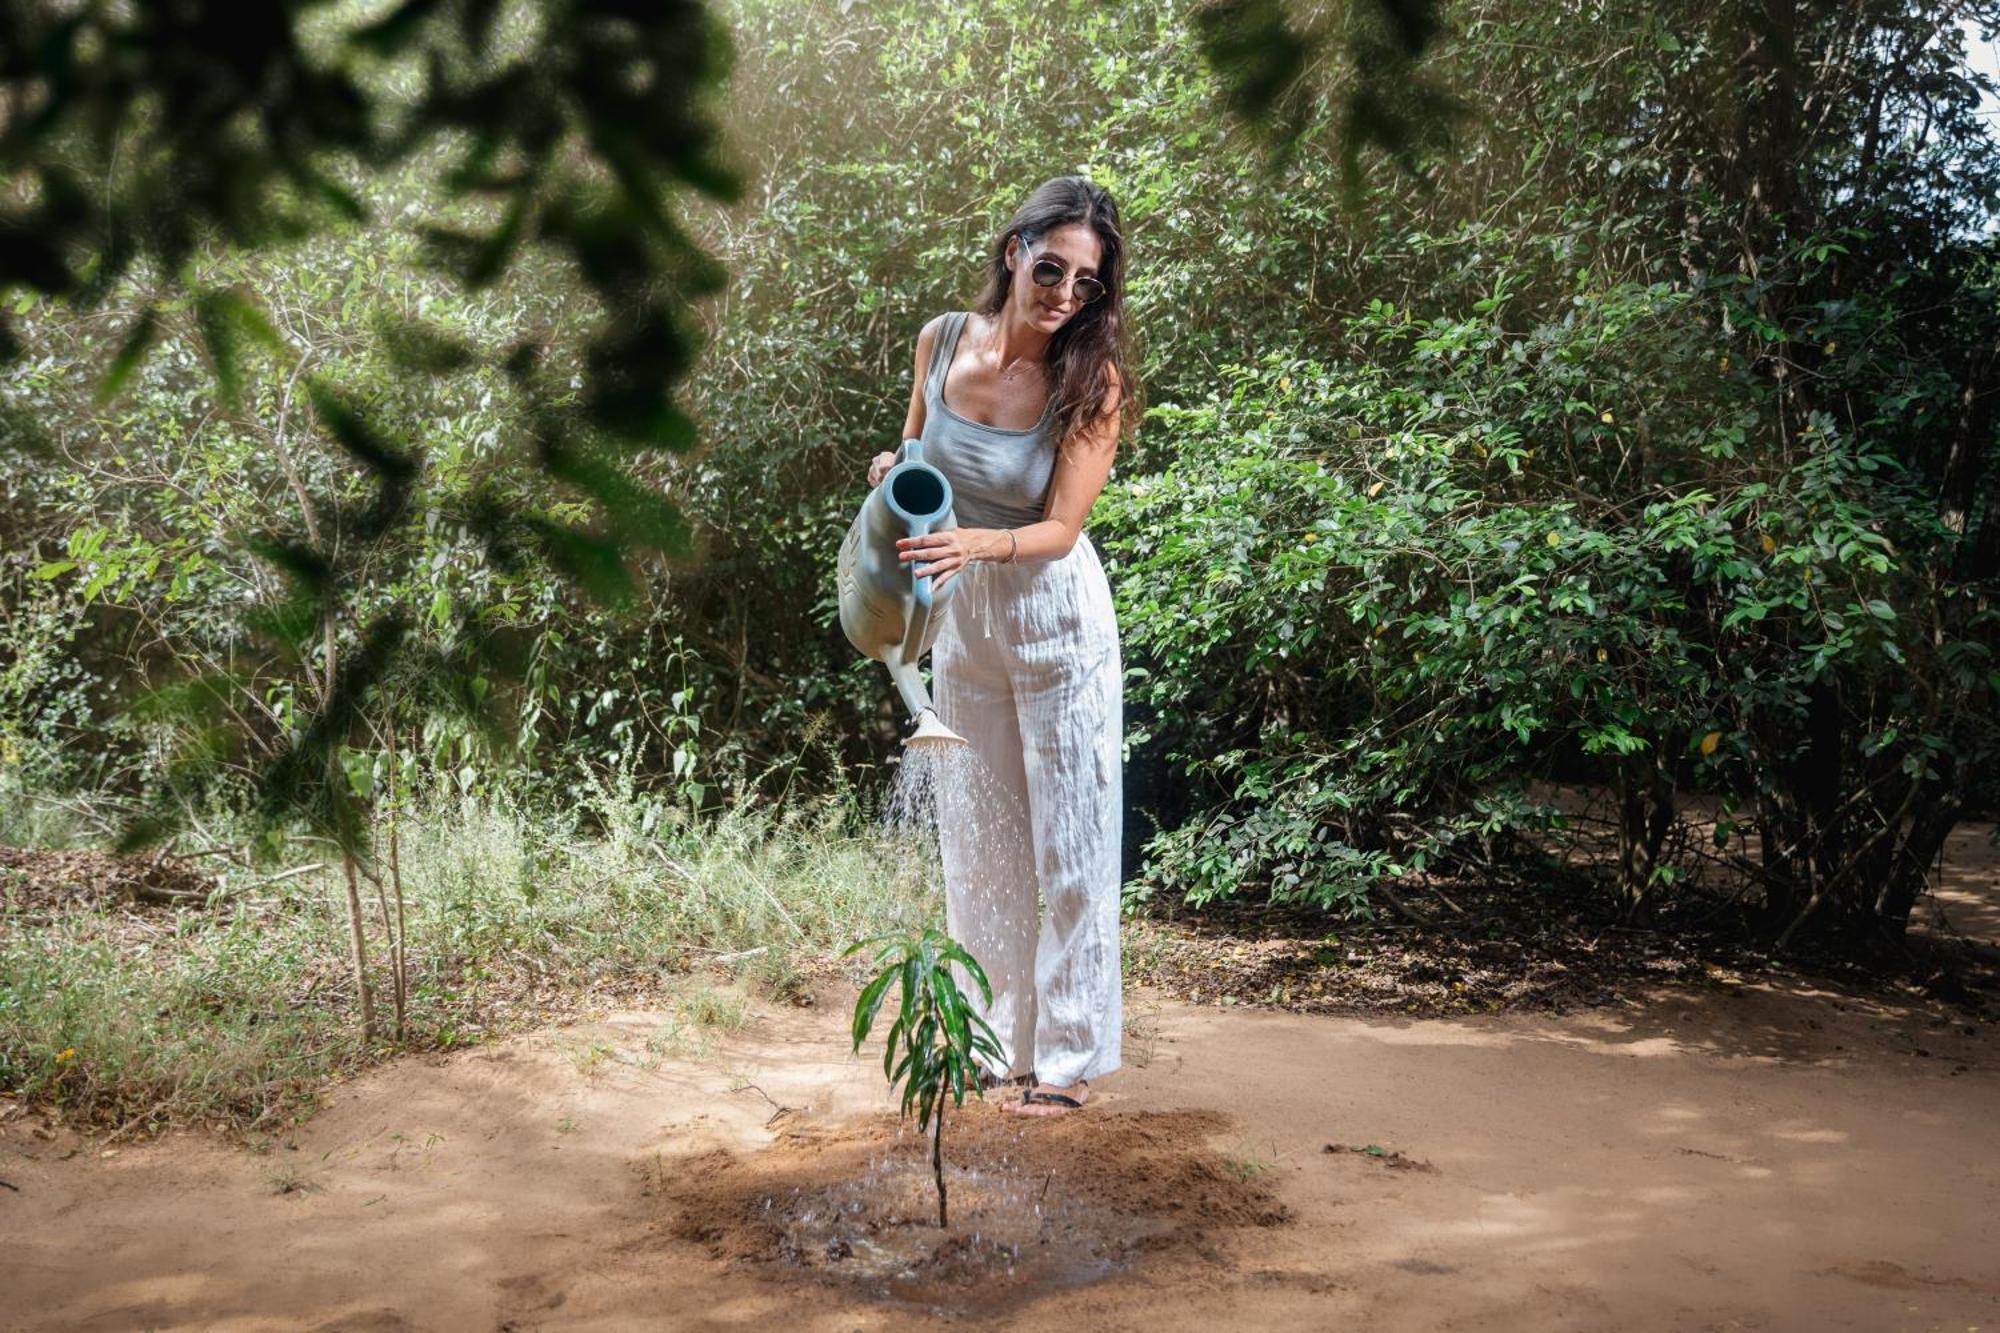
[(942, 554)]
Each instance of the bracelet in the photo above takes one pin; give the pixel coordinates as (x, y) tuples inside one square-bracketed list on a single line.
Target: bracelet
[(1013, 547)]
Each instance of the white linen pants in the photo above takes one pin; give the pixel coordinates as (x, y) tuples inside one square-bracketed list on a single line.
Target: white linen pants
[(1027, 669)]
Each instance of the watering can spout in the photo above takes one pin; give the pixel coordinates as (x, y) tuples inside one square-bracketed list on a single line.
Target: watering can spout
[(887, 610), (930, 729)]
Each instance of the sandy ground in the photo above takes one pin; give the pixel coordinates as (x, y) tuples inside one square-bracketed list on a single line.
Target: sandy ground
[(1744, 1156), (1738, 1159)]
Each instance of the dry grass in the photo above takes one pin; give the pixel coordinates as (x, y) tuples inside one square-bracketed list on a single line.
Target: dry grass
[(236, 1015)]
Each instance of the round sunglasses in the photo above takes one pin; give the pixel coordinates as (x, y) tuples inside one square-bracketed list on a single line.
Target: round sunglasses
[(1048, 272)]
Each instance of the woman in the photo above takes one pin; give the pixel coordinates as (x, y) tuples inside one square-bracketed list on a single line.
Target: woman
[(1020, 402)]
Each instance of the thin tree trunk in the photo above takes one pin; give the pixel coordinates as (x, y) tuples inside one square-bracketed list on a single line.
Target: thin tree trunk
[(1645, 816), (1911, 869), (389, 925), (396, 880), (360, 939)]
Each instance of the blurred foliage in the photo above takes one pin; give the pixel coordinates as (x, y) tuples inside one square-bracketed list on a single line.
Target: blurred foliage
[(163, 167), (1599, 393)]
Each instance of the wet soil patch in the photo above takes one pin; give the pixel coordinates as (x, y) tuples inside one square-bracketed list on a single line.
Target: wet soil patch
[(1035, 1206)]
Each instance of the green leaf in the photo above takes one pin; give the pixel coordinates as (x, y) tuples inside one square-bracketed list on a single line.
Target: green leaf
[(955, 1069), (639, 514), (896, 1030), (960, 955), (866, 1007), (951, 1007), (910, 991), (924, 1108), (227, 322), (137, 343), (593, 562), (358, 436), (416, 345)]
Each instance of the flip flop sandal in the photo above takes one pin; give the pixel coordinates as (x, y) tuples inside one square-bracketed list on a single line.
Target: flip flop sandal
[(1051, 1099)]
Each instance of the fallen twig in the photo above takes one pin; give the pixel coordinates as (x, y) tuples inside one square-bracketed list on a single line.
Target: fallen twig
[(284, 875), (778, 1112)]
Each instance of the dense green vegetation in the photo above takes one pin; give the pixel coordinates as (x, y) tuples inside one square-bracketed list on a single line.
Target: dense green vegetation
[(1584, 394), (1643, 435)]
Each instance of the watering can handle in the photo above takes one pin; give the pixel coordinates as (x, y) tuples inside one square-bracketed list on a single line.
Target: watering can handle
[(913, 452), (921, 586), (921, 606)]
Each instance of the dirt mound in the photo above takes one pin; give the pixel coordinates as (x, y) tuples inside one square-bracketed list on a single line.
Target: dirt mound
[(1054, 1203), (40, 880)]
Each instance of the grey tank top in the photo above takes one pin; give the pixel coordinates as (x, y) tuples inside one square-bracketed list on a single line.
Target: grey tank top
[(999, 477)]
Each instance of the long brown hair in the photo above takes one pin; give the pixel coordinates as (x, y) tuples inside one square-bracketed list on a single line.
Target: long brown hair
[(1088, 348)]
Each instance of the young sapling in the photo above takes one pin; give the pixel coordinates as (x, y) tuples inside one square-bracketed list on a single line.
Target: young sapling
[(934, 1042)]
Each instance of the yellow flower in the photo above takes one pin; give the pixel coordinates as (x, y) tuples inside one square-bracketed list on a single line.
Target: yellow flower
[(65, 1055), (1710, 741), (1554, 539), (1375, 490), (1284, 384), (1605, 417), (1603, 656)]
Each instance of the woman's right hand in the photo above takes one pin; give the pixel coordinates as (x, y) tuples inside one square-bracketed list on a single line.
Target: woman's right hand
[(879, 468)]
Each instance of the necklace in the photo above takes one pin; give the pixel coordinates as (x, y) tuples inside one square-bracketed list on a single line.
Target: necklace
[(1007, 373)]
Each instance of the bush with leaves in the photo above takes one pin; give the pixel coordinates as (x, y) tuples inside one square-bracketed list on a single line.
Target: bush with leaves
[(1377, 601)]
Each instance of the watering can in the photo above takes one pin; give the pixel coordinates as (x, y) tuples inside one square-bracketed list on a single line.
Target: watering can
[(888, 611)]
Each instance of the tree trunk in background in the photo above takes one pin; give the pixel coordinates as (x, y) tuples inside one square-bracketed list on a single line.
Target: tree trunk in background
[(398, 940), (360, 940), (1645, 815), (1909, 874)]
